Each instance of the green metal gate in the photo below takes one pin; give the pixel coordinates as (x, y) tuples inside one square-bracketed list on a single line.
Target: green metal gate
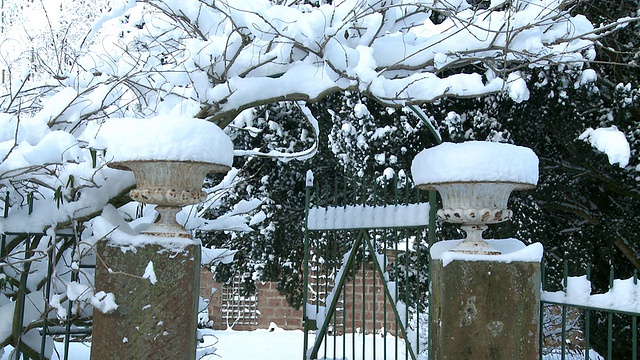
[(46, 262), (366, 273)]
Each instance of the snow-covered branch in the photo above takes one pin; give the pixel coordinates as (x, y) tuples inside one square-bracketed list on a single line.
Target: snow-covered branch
[(214, 60)]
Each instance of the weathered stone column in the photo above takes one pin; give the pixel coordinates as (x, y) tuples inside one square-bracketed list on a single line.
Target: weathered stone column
[(485, 295), (153, 320), (485, 307)]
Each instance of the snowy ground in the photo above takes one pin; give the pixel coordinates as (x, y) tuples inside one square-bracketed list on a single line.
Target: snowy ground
[(279, 345)]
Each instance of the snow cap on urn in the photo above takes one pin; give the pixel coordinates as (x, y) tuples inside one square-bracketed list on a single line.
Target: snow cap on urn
[(475, 161), (164, 138)]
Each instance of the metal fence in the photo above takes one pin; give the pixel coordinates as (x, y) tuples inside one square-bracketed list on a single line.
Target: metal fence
[(367, 292), (34, 266), (579, 324), (345, 245), (46, 290), (366, 246)]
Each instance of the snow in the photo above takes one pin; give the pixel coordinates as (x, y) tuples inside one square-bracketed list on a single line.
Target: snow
[(309, 178), (104, 302), (610, 141), (512, 250), (517, 87), (230, 58), (6, 319), (233, 220), (84, 293), (114, 13), (258, 218), (363, 217), (34, 303), (150, 274), (224, 256), (623, 296), (475, 161), (279, 344), (106, 183), (111, 227), (75, 290), (164, 138), (587, 76), (310, 51)]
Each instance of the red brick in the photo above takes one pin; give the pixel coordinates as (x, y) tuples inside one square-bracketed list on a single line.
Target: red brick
[(267, 312), (275, 302)]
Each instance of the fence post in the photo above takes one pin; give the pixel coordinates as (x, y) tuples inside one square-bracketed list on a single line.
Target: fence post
[(3, 237), (305, 289), (485, 310)]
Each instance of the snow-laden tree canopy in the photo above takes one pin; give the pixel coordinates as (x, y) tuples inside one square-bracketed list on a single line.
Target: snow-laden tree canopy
[(233, 55), (213, 60)]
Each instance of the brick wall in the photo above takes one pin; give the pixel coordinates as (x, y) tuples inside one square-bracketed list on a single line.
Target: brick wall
[(273, 307), (365, 294), (207, 285), (372, 294)]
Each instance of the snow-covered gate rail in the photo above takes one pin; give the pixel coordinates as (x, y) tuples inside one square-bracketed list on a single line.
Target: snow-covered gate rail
[(580, 324), (366, 274)]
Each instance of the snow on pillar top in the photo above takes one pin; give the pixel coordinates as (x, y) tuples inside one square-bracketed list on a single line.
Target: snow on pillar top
[(164, 138), (475, 161), (511, 250)]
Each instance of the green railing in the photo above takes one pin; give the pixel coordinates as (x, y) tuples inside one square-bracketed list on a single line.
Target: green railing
[(591, 328), (366, 246), (35, 263), (580, 325), (393, 254)]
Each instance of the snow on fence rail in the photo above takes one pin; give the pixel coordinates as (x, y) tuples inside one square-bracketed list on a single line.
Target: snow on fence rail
[(622, 297), (586, 322), (368, 217)]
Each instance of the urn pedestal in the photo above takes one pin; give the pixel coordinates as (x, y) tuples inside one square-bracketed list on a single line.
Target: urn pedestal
[(485, 307)]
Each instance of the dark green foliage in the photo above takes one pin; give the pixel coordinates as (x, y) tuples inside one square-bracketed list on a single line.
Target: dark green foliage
[(274, 250), (584, 209), (381, 147)]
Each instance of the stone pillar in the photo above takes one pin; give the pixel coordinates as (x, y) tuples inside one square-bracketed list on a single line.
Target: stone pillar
[(485, 306), (156, 321)]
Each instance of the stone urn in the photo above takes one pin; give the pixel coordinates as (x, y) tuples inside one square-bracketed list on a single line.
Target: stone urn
[(155, 275), (170, 158), (170, 185), (475, 180)]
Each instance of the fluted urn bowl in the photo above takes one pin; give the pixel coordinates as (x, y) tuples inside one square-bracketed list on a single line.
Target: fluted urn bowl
[(170, 158), (170, 185), (475, 180)]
